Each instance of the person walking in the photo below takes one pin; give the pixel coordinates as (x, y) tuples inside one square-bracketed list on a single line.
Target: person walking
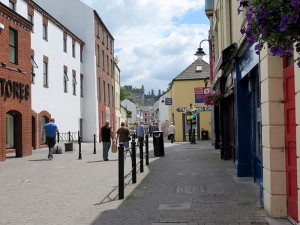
[(141, 132), (172, 132), (123, 135), (50, 129), (106, 135)]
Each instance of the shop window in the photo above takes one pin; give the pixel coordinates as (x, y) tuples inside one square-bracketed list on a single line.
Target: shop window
[(9, 131)]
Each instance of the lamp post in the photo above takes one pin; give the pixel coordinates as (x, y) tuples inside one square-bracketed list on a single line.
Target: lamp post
[(200, 53)]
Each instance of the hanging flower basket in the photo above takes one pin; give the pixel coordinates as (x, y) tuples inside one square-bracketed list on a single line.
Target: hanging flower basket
[(213, 98), (275, 22)]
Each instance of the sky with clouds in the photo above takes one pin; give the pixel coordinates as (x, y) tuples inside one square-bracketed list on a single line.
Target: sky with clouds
[(155, 40)]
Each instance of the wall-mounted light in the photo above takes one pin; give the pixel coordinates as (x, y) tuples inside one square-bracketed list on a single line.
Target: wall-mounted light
[(1, 26)]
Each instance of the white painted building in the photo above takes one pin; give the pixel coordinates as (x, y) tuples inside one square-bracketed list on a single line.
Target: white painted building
[(161, 111), (56, 71), (83, 22), (135, 111)]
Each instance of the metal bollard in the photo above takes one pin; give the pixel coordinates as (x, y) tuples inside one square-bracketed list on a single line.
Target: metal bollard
[(147, 149), (133, 160), (69, 133), (121, 171), (94, 143), (141, 156), (79, 142)]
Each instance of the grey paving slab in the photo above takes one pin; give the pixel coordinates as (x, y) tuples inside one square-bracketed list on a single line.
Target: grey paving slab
[(190, 185)]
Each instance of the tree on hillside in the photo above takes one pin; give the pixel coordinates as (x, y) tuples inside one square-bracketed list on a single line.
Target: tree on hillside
[(124, 94)]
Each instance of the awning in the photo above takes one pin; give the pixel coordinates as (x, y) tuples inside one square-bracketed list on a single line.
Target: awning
[(227, 55)]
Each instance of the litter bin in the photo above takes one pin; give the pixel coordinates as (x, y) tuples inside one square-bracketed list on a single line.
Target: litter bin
[(158, 142), (204, 134)]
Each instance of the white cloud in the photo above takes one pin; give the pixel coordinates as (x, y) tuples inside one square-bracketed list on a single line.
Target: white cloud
[(153, 48)]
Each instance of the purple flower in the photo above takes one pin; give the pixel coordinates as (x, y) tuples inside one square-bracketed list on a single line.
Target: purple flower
[(282, 26), (294, 18), (275, 50), (285, 17), (258, 47), (243, 31), (295, 3), (261, 15)]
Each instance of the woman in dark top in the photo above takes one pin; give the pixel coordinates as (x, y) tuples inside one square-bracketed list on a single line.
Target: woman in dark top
[(123, 135)]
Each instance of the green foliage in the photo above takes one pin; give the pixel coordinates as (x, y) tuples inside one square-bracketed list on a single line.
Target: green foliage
[(124, 94)]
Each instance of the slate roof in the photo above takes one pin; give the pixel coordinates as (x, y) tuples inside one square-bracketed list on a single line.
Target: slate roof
[(190, 72)]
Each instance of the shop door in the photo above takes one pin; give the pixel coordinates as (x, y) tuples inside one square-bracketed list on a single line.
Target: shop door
[(290, 140)]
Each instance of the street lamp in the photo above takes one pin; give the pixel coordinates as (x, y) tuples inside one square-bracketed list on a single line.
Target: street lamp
[(200, 53)]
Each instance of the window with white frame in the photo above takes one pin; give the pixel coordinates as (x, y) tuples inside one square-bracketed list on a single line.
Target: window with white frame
[(73, 51)]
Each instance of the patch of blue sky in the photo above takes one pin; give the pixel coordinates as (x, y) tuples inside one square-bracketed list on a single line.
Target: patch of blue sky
[(117, 50), (193, 17)]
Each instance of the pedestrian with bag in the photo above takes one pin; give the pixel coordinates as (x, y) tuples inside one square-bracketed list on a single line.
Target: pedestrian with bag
[(50, 129), (123, 135), (106, 136), (172, 131)]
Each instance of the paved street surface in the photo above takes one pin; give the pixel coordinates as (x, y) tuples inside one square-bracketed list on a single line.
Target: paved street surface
[(190, 185)]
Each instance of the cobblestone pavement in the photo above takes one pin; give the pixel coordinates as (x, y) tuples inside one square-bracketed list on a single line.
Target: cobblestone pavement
[(190, 185)]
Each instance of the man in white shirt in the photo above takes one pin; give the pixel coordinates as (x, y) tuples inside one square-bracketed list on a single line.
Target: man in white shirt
[(172, 132)]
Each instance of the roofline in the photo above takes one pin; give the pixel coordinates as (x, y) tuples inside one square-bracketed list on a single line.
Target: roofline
[(97, 15), (55, 21), (21, 21)]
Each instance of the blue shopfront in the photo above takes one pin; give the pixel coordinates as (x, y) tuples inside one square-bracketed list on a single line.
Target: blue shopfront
[(248, 115)]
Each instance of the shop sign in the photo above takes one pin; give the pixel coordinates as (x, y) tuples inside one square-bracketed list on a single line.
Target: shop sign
[(168, 101), (198, 109), (200, 94), (14, 89)]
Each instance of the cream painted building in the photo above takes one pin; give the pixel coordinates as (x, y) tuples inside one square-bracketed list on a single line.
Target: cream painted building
[(272, 86), (183, 92)]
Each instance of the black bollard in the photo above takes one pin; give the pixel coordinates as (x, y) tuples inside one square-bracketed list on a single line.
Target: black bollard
[(94, 143), (141, 155), (69, 134), (121, 171), (147, 149), (133, 160), (79, 142)]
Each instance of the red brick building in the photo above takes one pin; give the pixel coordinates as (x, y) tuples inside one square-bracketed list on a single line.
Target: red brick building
[(15, 84), (105, 73)]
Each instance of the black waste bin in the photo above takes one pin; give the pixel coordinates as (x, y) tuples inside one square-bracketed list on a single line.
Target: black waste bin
[(158, 142), (204, 134)]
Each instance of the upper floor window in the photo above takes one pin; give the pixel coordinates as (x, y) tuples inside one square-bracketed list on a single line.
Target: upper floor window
[(65, 44), (107, 64), (99, 89), (81, 54), (98, 55), (108, 93), (107, 46), (31, 19), (74, 83), (73, 50), (13, 46), (45, 74), (12, 5), (45, 32), (103, 60), (66, 79), (104, 95), (81, 85)]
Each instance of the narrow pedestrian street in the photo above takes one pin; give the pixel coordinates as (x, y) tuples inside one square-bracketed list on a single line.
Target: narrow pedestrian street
[(189, 185)]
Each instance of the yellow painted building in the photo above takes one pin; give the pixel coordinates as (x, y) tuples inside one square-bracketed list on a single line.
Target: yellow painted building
[(188, 89)]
